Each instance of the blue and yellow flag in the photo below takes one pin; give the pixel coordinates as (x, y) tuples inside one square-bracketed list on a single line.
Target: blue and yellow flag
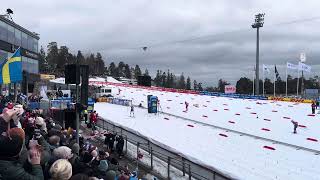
[(11, 69)]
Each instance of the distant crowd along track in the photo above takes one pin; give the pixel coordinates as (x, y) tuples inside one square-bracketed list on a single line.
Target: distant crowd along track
[(317, 152)]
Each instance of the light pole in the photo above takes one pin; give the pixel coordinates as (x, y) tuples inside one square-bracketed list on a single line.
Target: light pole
[(258, 23)]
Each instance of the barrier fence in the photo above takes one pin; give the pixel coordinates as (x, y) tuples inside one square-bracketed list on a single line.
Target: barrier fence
[(118, 101), (153, 152)]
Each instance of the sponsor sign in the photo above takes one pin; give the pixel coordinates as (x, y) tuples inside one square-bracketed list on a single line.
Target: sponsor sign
[(230, 89)]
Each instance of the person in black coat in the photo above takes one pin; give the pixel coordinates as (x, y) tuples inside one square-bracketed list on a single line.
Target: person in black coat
[(119, 146), (109, 140)]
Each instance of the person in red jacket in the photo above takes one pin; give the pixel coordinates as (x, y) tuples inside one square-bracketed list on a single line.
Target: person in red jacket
[(93, 120)]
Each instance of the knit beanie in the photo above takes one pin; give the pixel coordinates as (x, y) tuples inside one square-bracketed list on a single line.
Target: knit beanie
[(110, 175), (75, 148), (103, 166), (11, 146), (61, 170), (62, 152)]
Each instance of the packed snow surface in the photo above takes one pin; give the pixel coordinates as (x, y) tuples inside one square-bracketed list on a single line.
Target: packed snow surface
[(240, 156)]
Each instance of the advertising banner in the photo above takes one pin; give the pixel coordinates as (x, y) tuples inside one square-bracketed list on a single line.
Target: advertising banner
[(229, 89)]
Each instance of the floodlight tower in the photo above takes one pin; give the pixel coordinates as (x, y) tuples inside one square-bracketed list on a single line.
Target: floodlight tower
[(258, 23)]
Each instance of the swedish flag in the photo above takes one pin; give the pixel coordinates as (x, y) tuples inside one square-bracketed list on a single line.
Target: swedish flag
[(11, 69)]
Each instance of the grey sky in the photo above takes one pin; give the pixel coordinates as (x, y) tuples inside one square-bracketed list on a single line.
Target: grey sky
[(117, 28)]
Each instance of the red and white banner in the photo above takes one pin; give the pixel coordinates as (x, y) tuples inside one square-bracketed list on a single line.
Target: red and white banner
[(230, 89)]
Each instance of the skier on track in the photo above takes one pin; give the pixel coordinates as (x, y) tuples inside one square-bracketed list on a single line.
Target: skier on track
[(131, 111), (317, 104), (295, 126), (313, 107), (186, 105)]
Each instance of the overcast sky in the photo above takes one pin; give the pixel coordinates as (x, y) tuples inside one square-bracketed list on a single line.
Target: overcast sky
[(118, 28)]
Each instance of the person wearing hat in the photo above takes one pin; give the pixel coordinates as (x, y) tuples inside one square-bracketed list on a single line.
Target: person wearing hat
[(84, 165), (75, 149), (10, 167), (101, 171)]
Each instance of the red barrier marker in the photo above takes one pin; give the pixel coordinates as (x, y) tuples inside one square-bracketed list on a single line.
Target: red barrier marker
[(237, 114), (286, 118), (269, 147), (232, 122), (312, 115), (253, 113), (267, 119), (204, 116), (166, 118), (303, 126), (190, 125), (223, 135), (312, 139), (265, 129)]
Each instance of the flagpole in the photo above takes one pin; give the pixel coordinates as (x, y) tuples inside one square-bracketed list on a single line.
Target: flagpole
[(287, 80), (263, 82), (274, 84), (298, 83)]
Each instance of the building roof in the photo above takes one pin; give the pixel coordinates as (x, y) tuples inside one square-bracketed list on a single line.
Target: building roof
[(19, 27)]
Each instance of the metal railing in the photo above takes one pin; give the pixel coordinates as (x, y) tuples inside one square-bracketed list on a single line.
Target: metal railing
[(154, 151)]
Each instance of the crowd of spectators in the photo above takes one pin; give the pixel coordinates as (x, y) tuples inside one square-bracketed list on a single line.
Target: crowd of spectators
[(33, 146)]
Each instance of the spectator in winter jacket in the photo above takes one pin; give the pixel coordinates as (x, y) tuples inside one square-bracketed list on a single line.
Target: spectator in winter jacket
[(10, 167), (109, 141), (93, 120), (101, 171), (119, 146)]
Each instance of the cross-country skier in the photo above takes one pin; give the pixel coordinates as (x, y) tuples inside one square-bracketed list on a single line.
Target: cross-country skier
[(131, 111), (313, 107), (187, 105), (295, 126)]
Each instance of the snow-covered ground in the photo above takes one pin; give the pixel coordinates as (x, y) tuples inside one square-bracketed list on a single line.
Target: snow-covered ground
[(268, 119), (240, 156)]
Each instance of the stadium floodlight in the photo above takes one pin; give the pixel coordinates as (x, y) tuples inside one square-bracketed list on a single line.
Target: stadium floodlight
[(258, 23)]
